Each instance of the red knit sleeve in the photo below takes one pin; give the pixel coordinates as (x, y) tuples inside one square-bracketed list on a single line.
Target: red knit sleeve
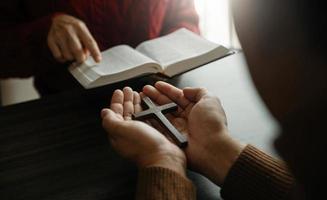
[(21, 40), (181, 14)]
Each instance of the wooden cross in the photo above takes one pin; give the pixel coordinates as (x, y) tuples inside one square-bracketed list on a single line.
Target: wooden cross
[(158, 112)]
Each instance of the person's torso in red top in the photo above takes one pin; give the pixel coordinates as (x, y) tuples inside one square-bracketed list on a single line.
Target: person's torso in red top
[(116, 22), (113, 22)]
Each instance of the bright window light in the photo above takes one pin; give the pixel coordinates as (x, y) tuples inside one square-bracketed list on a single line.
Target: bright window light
[(216, 22)]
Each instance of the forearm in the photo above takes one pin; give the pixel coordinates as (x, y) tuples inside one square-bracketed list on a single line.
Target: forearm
[(255, 175)]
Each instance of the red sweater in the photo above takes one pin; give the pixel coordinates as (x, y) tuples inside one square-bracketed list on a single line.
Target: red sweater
[(24, 25)]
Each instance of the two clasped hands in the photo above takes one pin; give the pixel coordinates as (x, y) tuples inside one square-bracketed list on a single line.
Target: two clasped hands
[(211, 151)]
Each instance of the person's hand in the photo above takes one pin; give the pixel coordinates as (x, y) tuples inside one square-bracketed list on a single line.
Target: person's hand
[(137, 141), (70, 40), (211, 151)]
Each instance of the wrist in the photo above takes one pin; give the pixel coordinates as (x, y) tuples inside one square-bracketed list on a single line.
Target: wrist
[(225, 153), (175, 161)]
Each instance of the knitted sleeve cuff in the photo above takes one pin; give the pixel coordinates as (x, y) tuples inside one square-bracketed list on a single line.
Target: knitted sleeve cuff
[(256, 175), (160, 183)]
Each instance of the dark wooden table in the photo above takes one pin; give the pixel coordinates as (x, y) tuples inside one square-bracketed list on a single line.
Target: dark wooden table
[(55, 148)]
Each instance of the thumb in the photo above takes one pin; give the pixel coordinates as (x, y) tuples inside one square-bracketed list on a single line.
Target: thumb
[(195, 94), (110, 121)]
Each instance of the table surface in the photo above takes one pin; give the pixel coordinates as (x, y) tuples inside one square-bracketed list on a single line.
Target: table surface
[(55, 148)]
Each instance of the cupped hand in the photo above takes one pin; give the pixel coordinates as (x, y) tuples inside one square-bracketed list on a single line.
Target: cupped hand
[(137, 141), (70, 40), (211, 151)]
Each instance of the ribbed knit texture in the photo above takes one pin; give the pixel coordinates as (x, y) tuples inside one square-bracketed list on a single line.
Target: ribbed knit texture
[(255, 175), (156, 183)]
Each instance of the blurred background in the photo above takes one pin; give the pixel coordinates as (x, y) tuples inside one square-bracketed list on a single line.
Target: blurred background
[(216, 25), (216, 22)]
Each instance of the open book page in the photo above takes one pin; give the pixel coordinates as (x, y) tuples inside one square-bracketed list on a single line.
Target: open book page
[(118, 63), (181, 51)]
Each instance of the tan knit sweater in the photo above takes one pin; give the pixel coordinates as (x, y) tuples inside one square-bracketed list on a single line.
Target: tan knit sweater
[(254, 175)]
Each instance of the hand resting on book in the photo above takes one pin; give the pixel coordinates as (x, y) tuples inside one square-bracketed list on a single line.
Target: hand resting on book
[(70, 40)]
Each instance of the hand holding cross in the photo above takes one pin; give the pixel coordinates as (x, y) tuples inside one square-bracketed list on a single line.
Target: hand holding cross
[(158, 112)]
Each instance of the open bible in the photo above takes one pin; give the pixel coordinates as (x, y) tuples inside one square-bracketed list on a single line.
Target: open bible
[(169, 55)]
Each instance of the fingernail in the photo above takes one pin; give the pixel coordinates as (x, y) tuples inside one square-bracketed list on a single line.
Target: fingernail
[(128, 89), (147, 87), (118, 91)]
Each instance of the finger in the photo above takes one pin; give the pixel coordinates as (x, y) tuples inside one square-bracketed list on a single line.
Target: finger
[(62, 42), (54, 48), (87, 53), (89, 42), (128, 103), (117, 102), (155, 95), (195, 94), (173, 93), (137, 103), (75, 45)]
